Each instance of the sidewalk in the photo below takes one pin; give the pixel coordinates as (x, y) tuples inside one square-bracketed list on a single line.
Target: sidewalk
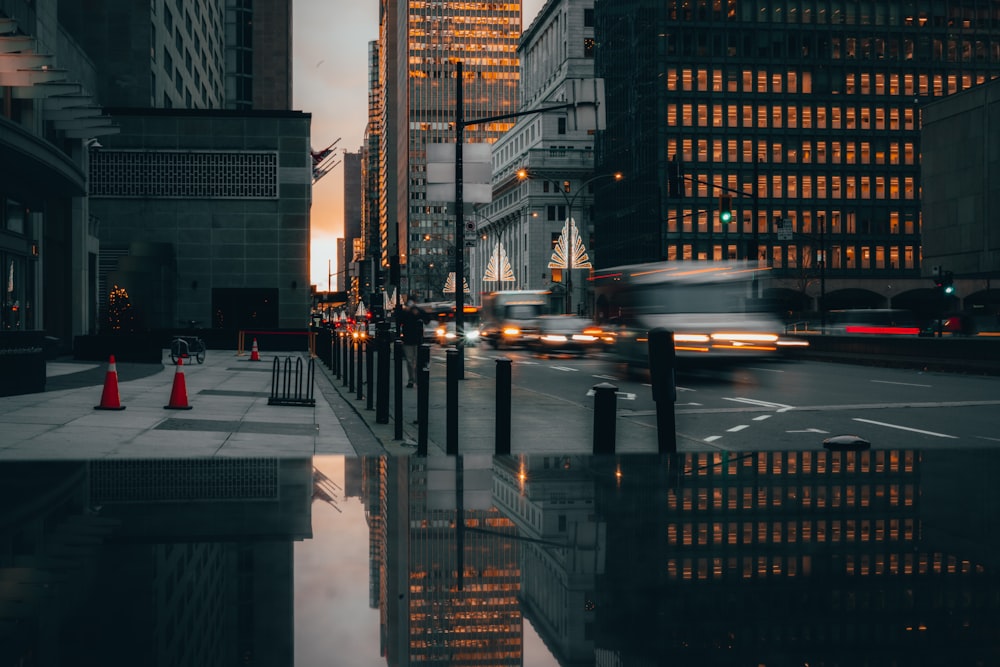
[(229, 414)]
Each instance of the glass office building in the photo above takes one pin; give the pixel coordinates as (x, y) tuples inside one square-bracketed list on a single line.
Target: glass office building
[(800, 118), (483, 36)]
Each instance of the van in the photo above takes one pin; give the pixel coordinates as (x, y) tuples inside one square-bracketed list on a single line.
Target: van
[(510, 318)]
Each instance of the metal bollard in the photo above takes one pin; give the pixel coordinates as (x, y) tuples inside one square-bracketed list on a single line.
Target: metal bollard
[(454, 360), (397, 386), (503, 412), (370, 367), (345, 355), (383, 344), (350, 363), (362, 342), (423, 407), (335, 354), (605, 418), (662, 364)]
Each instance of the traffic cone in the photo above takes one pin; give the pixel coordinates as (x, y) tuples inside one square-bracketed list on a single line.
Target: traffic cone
[(254, 352), (109, 397), (178, 394)]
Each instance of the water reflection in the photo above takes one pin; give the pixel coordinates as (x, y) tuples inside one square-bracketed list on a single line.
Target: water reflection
[(819, 558)]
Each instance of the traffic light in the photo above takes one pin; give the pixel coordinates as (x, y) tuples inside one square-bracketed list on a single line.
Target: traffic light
[(944, 281), (725, 209), (947, 283)]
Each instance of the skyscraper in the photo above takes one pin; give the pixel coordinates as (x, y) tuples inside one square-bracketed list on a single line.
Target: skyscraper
[(420, 44), (801, 118)]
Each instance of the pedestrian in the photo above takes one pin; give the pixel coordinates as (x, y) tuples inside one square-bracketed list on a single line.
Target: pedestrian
[(412, 334)]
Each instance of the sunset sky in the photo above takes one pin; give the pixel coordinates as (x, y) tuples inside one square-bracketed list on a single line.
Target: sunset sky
[(330, 81)]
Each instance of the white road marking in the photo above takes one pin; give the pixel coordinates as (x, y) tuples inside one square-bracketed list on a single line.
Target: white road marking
[(905, 384), (764, 404), (624, 395), (679, 388), (809, 430), (605, 377), (737, 428), (712, 438), (906, 428), (687, 403), (761, 418), (986, 437), (566, 369), (766, 370)]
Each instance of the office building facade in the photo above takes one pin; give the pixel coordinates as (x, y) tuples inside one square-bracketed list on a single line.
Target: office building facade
[(543, 169), (420, 44), (801, 118)]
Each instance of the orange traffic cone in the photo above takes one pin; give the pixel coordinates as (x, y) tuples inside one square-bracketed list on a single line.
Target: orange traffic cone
[(178, 394), (254, 352), (109, 397)]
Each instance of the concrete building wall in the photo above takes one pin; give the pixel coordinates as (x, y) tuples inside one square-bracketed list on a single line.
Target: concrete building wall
[(961, 183), (230, 197)]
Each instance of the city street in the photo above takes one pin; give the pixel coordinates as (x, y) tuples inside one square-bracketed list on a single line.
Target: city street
[(769, 405)]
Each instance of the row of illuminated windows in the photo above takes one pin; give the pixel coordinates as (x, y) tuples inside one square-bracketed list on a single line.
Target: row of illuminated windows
[(790, 257), (833, 12), (705, 464), (818, 531), (817, 186), (486, 75), (782, 117), (751, 567), (753, 497), (723, 150), (807, 223), (792, 81)]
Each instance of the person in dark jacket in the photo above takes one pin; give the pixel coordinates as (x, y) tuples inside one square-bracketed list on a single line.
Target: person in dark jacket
[(411, 332)]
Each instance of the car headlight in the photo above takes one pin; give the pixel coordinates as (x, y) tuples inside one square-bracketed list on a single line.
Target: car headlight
[(511, 331), (554, 338)]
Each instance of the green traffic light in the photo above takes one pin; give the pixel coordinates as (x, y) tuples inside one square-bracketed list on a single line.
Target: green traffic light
[(725, 216)]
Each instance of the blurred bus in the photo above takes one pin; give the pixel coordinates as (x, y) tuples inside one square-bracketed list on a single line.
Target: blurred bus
[(709, 306)]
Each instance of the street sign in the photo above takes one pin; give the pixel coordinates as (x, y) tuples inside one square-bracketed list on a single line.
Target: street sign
[(784, 229)]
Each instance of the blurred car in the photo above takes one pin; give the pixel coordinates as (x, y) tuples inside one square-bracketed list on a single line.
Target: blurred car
[(872, 321), (444, 334), (959, 324), (566, 333)]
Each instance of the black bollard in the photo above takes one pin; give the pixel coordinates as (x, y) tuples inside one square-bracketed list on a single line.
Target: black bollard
[(350, 362), (362, 342), (662, 362), (335, 357), (370, 368), (382, 337), (605, 418), (453, 368), (345, 356), (397, 386), (423, 406), (503, 412)]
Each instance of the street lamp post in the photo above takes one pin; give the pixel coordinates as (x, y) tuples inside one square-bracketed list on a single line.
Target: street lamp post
[(822, 272), (460, 124), (570, 242)]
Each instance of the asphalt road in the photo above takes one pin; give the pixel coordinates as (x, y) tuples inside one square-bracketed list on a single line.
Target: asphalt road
[(778, 405)]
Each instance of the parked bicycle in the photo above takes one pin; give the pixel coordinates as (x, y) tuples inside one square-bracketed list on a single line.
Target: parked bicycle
[(186, 347)]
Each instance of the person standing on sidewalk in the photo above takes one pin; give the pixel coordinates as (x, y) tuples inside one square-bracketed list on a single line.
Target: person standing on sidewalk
[(411, 332)]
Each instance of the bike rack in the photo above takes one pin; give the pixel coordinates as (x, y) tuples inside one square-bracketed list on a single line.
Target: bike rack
[(291, 383)]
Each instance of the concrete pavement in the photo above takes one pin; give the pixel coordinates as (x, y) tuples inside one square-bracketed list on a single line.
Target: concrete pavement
[(229, 415)]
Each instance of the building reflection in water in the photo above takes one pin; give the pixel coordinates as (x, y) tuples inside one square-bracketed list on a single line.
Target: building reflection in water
[(810, 557), (774, 558), (150, 562)]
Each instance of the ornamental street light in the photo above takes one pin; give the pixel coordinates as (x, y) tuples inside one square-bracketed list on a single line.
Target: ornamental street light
[(570, 237), (460, 124)]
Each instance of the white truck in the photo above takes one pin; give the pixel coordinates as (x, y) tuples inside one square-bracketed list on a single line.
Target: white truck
[(510, 318)]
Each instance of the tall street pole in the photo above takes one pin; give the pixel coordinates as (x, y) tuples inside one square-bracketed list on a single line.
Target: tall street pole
[(459, 227)]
